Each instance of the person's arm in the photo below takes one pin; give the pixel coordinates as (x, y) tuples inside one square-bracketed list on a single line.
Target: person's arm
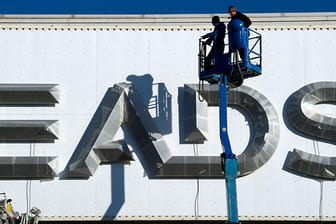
[(246, 20), (210, 35)]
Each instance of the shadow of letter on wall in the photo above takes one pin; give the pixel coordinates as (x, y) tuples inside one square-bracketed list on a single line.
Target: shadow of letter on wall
[(117, 191), (155, 99)]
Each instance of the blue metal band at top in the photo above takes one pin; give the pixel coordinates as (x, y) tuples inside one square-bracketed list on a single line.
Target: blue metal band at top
[(161, 7)]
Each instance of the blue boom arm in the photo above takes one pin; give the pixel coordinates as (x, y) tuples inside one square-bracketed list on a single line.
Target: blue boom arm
[(230, 71), (229, 160)]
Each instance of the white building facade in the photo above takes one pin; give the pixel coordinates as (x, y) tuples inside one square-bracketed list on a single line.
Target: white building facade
[(76, 93)]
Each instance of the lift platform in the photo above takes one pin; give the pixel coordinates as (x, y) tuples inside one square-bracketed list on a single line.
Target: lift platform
[(241, 60)]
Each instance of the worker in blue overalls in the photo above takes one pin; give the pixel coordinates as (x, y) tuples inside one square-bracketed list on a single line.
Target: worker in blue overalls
[(235, 14), (216, 37)]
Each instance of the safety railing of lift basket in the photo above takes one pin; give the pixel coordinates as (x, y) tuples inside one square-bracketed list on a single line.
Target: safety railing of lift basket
[(201, 66), (201, 55), (254, 53), (255, 48)]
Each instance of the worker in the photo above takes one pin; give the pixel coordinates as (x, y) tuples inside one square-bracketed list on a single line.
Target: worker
[(217, 39), (246, 22), (10, 211)]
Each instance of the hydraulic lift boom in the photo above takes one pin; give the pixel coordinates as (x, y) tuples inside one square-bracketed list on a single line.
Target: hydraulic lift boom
[(229, 71)]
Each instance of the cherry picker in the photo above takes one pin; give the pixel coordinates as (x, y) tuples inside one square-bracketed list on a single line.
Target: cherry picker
[(228, 70)]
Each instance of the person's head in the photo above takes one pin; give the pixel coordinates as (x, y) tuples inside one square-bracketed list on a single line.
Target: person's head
[(232, 10), (215, 20)]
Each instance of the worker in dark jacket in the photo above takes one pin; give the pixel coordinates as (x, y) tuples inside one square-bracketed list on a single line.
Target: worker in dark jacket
[(247, 22), (217, 38), (238, 15)]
